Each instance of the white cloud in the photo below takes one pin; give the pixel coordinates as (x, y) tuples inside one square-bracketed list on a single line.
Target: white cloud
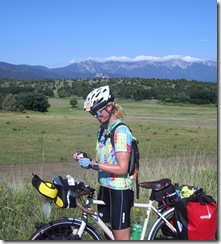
[(139, 58)]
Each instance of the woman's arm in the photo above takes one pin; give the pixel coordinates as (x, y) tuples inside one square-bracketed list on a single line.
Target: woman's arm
[(121, 167)]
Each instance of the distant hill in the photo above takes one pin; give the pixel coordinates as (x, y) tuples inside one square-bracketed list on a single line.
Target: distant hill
[(173, 68)]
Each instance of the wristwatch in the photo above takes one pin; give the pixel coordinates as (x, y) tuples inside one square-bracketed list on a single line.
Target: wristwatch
[(95, 165)]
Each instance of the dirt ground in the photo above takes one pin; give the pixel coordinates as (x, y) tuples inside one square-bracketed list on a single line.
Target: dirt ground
[(17, 173)]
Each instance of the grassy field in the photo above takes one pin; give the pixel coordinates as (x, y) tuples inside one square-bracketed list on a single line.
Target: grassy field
[(52, 137), (176, 141)]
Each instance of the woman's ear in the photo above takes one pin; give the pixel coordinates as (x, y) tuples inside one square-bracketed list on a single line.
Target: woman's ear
[(109, 107)]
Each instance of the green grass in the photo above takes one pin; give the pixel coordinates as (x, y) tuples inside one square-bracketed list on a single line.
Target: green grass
[(52, 137), (21, 204), (175, 142)]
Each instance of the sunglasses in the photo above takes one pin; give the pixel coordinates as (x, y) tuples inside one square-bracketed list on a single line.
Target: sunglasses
[(97, 113)]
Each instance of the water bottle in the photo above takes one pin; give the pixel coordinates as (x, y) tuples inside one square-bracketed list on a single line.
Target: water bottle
[(46, 207), (136, 232), (71, 181)]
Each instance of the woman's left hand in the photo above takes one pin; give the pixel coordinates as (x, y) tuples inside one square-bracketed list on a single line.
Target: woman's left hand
[(79, 154)]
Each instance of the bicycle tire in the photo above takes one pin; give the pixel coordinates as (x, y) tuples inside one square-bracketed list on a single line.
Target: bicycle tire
[(64, 230), (156, 232)]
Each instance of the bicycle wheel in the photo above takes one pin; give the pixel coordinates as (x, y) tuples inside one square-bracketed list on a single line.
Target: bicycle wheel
[(159, 230), (65, 229)]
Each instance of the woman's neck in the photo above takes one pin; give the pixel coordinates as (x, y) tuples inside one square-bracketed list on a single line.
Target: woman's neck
[(112, 119)]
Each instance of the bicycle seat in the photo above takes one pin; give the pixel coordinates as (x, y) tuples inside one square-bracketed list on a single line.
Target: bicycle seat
[(156, 185)]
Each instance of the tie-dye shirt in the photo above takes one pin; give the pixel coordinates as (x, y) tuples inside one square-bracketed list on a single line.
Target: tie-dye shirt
[(106, 155)]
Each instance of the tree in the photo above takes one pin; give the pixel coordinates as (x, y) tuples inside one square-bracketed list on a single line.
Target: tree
[(61, 93), (9, 103), (33, 101), (48, 92), (73, 102), (40, 103), (25, 99)]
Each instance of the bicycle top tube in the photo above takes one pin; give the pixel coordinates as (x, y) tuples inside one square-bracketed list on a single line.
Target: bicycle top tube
[(136, 205)]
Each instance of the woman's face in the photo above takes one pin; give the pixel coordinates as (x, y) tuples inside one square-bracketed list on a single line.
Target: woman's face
[(104, 114)]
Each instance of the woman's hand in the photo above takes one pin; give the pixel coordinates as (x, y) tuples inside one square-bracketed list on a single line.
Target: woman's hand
[(79, 154)]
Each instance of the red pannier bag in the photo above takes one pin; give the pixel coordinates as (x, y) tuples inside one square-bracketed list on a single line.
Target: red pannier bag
[(195, 217)]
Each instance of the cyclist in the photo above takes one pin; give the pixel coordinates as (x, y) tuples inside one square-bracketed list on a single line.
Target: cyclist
[(112, 164)]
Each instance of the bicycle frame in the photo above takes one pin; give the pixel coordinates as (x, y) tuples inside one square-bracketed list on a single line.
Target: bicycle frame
[(80, 227), (148, 206)]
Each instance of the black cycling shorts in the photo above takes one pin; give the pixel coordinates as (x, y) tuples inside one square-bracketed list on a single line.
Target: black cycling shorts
[(117, 208)]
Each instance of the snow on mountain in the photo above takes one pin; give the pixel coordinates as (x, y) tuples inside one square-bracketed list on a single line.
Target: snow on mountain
[(139, 61), (168, 67), (171, 67)]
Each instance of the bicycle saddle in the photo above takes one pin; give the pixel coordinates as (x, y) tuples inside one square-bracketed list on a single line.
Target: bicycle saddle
[(156, 185)]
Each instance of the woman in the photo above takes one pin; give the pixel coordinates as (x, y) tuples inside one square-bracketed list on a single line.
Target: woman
[(112, 163)]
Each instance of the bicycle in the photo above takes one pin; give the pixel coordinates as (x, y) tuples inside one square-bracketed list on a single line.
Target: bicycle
[(78, 228)]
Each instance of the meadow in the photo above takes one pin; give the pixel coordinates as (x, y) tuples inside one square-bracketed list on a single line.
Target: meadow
[(176, 141)]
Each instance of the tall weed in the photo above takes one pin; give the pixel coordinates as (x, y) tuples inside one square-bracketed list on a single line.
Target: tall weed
[(21, 204)]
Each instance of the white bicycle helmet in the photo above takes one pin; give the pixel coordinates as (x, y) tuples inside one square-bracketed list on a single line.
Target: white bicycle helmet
[(98, 98)]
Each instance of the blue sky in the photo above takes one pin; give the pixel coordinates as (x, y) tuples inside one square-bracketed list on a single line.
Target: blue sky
[(54, 33)]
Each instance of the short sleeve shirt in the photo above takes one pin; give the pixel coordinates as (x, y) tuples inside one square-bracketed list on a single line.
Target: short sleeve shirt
[(106, 155)]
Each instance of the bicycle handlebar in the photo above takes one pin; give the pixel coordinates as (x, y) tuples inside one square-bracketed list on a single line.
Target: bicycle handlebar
[(84, 192)]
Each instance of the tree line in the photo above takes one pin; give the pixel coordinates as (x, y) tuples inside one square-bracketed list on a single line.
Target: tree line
[(20, 95)]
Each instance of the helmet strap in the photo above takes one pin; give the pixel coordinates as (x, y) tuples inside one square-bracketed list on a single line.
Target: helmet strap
[(110, 113)]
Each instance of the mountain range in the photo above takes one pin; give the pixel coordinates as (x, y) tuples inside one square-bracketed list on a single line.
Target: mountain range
[(174, 67)]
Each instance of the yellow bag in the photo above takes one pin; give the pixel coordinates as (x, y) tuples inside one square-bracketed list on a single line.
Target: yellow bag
[(46, 188), (59, 191)]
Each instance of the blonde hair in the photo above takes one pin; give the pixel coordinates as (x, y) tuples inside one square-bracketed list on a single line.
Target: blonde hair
[(118, 111)]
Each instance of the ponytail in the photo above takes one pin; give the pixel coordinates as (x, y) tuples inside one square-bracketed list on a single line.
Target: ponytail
[(118, 111)]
